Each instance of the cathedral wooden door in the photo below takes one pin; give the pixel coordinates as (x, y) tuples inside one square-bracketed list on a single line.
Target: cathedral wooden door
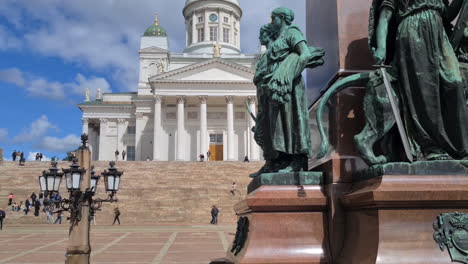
[(216, 147)]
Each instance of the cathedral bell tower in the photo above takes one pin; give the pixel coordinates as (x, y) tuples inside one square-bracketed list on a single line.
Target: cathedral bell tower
[(154, 55), (212, 22)]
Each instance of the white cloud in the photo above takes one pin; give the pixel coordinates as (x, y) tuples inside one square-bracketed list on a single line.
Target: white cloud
[(55, 144), (35, 131), (32, 157), (40, 87), (105, 35), (44, 88), (12, 75), (3, 134), (93, 83)]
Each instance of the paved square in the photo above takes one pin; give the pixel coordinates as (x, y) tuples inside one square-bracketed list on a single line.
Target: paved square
[(118, 244)]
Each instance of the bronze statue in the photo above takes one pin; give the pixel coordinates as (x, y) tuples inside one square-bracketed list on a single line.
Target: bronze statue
[(412, 37), (282, 127)]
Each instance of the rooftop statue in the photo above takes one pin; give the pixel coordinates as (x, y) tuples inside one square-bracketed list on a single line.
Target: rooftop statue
[(86, 94), (412, 37), (282, 126)]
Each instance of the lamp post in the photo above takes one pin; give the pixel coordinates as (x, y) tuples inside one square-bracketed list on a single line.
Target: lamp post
[(82, 183)]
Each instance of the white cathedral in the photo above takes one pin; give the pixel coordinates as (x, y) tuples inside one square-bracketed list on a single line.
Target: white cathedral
[(187, 103)]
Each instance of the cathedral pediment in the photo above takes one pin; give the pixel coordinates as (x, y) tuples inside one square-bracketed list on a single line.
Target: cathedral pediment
[(214, 70), (153, 50)]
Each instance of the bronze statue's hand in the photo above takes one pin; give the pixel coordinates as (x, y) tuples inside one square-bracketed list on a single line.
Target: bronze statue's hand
[(379, 55)]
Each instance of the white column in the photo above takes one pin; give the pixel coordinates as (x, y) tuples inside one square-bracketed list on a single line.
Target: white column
[(230, 128), (207, 29), (138, 133), (121, 127), (194, 28), (220, 26), (103, 148), (93, 142), (203, 125), (85, 129), (157, 127), (254, 149), (180, 155)]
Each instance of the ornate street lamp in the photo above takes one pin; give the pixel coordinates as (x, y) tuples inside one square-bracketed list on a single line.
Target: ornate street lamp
[(50, 180), (112, 179), (81, 203), (73, 176)]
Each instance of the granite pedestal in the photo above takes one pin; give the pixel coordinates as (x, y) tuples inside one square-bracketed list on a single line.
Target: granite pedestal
[(284, 220), (389, 219)]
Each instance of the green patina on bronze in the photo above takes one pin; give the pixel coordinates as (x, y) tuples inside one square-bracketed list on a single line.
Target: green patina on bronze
[(286, 178), (451, 233), (412, 37), (282, 126), (462, 54), (435, 167)]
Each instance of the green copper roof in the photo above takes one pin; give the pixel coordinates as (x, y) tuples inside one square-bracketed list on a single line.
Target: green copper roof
[(155, 30)]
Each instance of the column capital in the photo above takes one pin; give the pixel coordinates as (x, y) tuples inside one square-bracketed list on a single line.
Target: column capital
[(158, 99), (103, 120), (252, 99), (229, 99), (85, 120), (121, 121), (203, 99), (139, 115), (181, 99)]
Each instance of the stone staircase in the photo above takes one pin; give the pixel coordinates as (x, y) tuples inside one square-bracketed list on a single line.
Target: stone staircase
[(150, 192)]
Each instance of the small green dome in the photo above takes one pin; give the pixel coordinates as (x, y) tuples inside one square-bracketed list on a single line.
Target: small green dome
[(155, 30)]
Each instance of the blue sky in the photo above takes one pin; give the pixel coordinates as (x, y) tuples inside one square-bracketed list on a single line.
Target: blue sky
[(51, 50)]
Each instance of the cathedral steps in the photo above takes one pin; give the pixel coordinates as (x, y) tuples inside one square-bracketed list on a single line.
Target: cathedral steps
[(150, 192)]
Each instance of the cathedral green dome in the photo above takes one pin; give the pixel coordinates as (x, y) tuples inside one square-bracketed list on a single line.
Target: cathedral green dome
[(155, 30)]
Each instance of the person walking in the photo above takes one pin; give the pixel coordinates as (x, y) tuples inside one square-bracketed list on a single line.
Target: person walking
[(27, 204), (41, 198), (13, 155), (202, 157), (214, 215), (49, 213), (116, 215), (117, 155), (59, 217), (234, 189), (208, 155), (40, 156), (37, 207), (2, 216), (123, 154), (10, 198), (33, 198), (246, 159)]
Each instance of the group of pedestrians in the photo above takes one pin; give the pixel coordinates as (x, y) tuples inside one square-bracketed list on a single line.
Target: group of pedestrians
[(50, 206), (202, 156), (39, 156), (18, 155), (117, 153)]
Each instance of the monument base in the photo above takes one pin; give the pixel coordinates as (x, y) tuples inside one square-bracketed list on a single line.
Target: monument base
[(390, 219), (281, 224)]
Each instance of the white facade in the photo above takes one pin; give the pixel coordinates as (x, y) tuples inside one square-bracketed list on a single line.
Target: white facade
[(187, 103)]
